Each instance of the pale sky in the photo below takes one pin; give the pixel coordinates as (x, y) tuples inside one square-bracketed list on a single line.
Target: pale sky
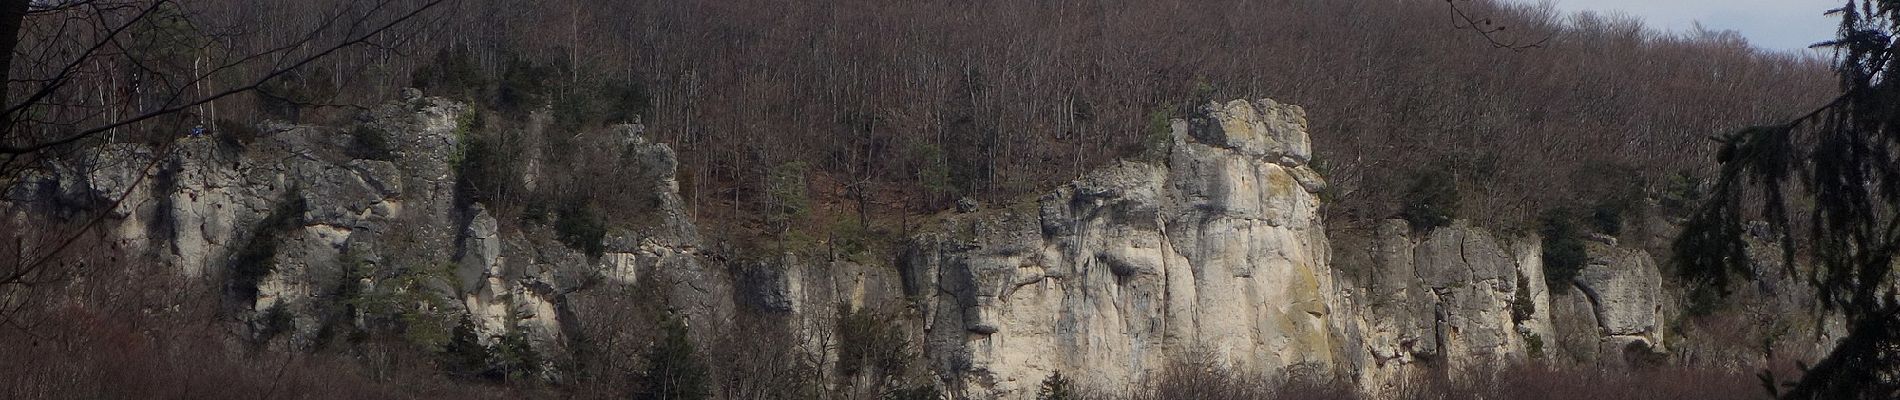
[(1768, 24)]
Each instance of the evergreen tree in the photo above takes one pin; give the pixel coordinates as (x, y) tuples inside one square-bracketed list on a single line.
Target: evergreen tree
[(464, 355), (1056, 387), (674, 371), (516, 358), (1839, 167)]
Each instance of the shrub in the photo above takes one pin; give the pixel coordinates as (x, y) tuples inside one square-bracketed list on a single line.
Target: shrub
[(1534, 346), (1618, 193), (371, 143), (856, 242), (515, 359), (1524, 307), (1607, 218), (526, 84), (488, 172), (1704, 298), (919, 392), (1682, 193), (453, 73), (575, 110), (931, 169), (674, 370), (1056, 387), (595, 102), (1158, 138), (406, 303), (234, 133), (1431, 201), (578, 226), (464, 355), (275, 321), (868, 342), (1564, 252), (787, 199)]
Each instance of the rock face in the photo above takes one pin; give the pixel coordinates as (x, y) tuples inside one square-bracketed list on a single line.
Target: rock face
[(297, 223), (283, 221), (1457, 296), (1221, 252), (1216, 251), (1622, 285)]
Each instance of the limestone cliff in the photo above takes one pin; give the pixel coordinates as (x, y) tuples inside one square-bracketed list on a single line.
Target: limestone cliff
[(1219, 250), (299, 227), (1213, 250)]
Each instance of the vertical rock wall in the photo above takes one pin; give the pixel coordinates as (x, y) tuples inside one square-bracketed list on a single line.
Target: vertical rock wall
[(1217, 252)]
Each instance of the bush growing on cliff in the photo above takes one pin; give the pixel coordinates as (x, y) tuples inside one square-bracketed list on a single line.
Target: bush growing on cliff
[(1431, 201), (418, 308), (869, 342), (1523, 307), (1617, 195), (370, 143), (526, 84), (580, 227), (1157, 138), (1681, 193), (788, 197), (464, 355), (488, 170), (1564, 251), (515, 359), (275, 321), (674, 370), (592, 102), (931, 170), (453, 73)]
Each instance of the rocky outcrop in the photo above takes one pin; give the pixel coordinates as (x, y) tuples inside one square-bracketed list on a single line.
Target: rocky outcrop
[(298, 227), (1624, 288), (1220, 251), (1214, 251), (1457, 297)]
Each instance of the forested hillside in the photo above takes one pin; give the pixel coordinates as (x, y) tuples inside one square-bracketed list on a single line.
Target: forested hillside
[(912, 104), (864, 199)]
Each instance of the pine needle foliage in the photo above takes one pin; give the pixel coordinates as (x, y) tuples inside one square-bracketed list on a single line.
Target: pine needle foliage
[(1839, 168)]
